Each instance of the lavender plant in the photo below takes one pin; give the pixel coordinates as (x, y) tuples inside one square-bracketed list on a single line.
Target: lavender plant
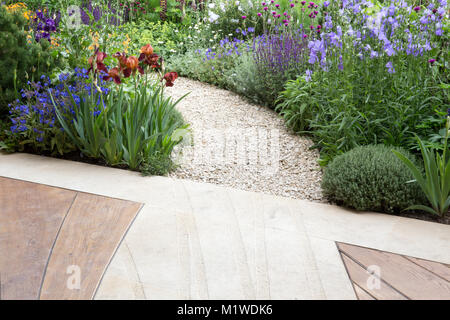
[(278, 57)]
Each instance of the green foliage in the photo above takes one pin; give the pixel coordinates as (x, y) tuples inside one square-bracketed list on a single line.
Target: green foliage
[(193, 64), (226, 16), (365, 105), (165, 37), (436, 183), (21, 60), (372, 178), (129, 130), (43, 138), (244, 81), (157, 165)]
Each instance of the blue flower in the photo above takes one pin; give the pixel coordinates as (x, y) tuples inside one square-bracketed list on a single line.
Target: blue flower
[(308, 75), (390, 67)]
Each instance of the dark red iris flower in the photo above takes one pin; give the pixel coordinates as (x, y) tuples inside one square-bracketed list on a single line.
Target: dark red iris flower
[(122, 59), (170, 77), (151, 60), (98, 57), (132, 64), (113, 74), (128, 65), (149, 57)]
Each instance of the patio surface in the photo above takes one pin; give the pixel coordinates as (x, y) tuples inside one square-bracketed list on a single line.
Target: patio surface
[(134, 237)]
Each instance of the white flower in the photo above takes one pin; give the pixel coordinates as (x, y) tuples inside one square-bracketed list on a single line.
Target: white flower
[(234, 20), (213, 17), (222, 6), (211, 5), (237, 3)]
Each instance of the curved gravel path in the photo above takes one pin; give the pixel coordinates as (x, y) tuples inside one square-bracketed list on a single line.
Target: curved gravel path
[(242, 145)]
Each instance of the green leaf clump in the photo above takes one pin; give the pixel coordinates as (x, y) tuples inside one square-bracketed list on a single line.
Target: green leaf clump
[(22, 59), (372, 178)]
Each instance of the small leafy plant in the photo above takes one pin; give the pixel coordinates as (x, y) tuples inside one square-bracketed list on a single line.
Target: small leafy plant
[(436, 183), (372, 178)]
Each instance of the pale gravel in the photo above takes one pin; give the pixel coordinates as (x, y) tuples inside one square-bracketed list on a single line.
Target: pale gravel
[(215, 114)]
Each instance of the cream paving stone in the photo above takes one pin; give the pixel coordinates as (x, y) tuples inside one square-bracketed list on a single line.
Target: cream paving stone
[(331, 270), (196, 240), (417, 238), (121, 281)]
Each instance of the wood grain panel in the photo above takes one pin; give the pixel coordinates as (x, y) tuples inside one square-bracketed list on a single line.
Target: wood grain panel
[(437, 268), (87, 241), (30, 217), (407, 277), (360, 276), (361, 294)]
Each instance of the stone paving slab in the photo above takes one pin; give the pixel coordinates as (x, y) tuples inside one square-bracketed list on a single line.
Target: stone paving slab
[(200, 241)]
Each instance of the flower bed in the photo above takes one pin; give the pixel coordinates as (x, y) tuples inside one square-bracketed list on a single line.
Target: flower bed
[(347, 73)]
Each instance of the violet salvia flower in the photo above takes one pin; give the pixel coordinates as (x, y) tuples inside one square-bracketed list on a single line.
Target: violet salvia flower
[(279, 52)]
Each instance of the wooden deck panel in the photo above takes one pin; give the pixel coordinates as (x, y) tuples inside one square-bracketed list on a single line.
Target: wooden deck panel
[(30, 217), (88, 239), (361, 294), (414, 278), (359, 277), (44, 230), (437, 268)]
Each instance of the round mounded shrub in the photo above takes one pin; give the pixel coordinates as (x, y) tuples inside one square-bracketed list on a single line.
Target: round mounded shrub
[(372, 178)]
